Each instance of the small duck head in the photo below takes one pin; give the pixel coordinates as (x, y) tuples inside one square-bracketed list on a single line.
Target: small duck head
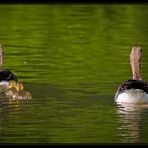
[(11, 90), (19, 86), (12, 84)]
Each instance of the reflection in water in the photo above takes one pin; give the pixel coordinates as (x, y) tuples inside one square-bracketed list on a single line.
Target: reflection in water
[(130, 121), (10, 110), (7, 102)]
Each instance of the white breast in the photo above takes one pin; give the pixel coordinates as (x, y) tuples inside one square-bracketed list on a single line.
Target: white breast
[(133, 96), (3, 86)]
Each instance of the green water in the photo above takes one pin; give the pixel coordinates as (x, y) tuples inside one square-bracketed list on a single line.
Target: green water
[(72, 59)]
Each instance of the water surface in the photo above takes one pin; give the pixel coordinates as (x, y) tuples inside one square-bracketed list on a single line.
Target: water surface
[(72, 58)]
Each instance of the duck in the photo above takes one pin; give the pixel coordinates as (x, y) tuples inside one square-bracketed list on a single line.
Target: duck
[(16, 91), (11, 91), (134, 90), (21, 93), (5, 75)]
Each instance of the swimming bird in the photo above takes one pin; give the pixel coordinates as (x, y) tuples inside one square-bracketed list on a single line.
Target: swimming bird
[(5, 75), (22, 94), (11, 91), (16, 91), (134, 90)]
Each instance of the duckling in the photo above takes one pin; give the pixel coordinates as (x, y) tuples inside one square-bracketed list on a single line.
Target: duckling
[(12, 92), (16, 91), (21, 93)]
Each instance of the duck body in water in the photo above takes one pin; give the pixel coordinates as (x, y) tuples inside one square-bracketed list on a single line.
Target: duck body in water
[(134, 90), (5, 77)]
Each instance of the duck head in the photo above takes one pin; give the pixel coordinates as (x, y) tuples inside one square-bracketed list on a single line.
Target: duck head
[(19, 86), (12, 84)]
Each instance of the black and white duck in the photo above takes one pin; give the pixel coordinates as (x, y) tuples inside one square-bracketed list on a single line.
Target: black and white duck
[(134, 90)]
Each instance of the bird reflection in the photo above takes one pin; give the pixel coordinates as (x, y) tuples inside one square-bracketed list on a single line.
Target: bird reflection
[(7, 106), (130, 116)]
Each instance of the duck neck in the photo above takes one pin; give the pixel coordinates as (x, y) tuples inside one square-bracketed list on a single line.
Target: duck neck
[(135, 61), (136, 71), (1, 58)]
